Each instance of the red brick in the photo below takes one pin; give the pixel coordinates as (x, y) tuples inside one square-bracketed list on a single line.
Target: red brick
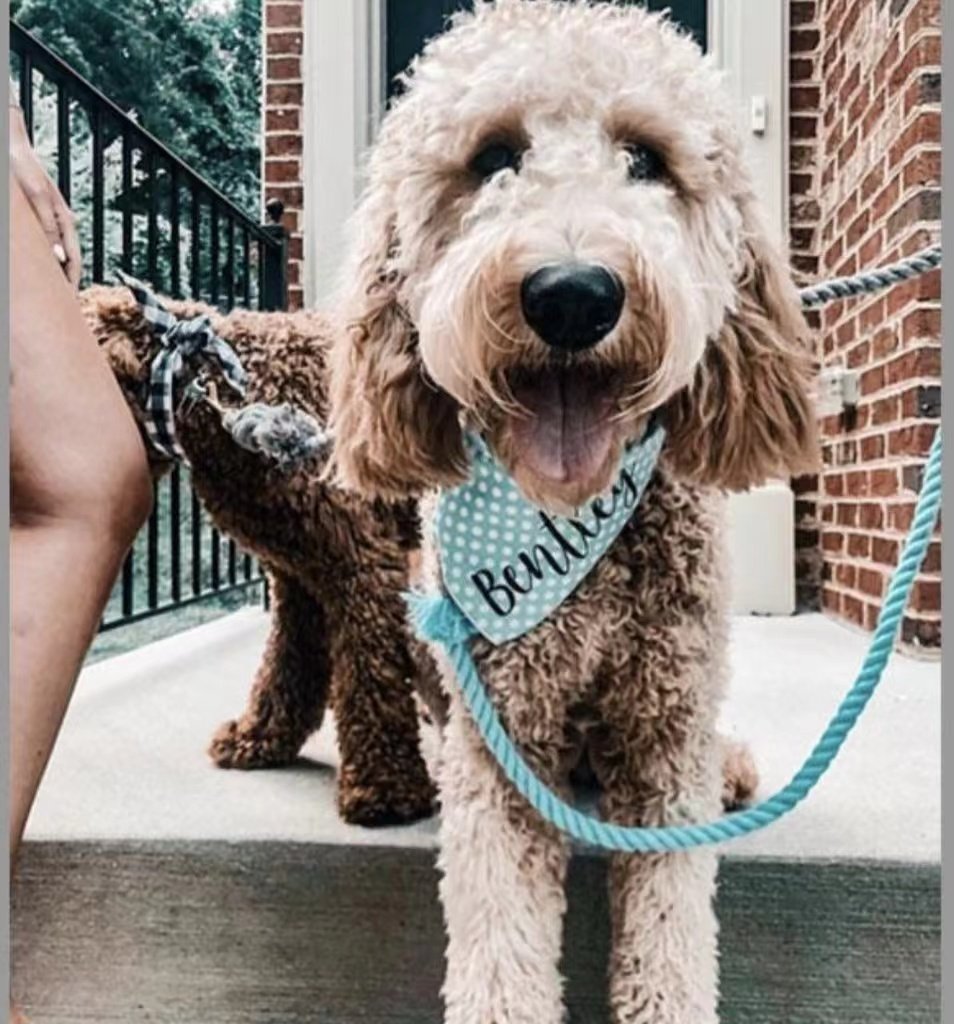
[(884, 342), (801, 69), (924, 205), (884, 551), (283, 145), (885, 410), (922, 325), (846, 514), (833, 542), (283, 94), (285, 120), (802, 12), (872, 448), (803, 126), (284, 43), (871, 248), (932, 559), (884, 482), (924, 14), (284, 69), (803, 40), (872, 380), (919, 362), (871, 616), (870, 517), (834, 484), (846, 574), (856, 484), (912, 440), (282, 15), (926, 596), (900, 517), (804, 98), (859, 545), (282, 170), (924, 168), (870, 582), (853, 609), (871, 316), (831, 600)]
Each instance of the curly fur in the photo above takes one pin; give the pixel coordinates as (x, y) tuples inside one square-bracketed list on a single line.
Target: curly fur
[(337, 564), (631, 669)]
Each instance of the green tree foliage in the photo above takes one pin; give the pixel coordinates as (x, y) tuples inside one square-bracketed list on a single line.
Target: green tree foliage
[(187, 70)]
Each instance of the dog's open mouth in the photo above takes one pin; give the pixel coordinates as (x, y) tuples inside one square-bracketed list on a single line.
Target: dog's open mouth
[(565, 431)]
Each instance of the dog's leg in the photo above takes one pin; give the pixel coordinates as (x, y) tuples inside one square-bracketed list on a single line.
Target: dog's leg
[(383, 779), (664, 961), (502, 890), (740, 776), (663, 967), (288, 697)]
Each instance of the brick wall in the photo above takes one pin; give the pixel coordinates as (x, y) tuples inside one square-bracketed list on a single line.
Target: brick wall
[(865, 189), (283, 173)]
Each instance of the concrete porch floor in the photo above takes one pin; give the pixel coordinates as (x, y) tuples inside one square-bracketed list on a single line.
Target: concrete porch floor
[(131, 763)]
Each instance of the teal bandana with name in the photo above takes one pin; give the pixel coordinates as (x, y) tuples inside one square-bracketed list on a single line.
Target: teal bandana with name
[(506, 563)]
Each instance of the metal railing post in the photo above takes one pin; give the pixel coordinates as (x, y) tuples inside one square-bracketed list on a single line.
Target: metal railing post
[(275, 259)]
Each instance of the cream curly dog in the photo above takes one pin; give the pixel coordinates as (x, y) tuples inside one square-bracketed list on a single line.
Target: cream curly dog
[(559, 238)]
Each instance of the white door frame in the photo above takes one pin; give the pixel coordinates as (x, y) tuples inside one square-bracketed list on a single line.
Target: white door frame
[(750, 39), (344, 99)]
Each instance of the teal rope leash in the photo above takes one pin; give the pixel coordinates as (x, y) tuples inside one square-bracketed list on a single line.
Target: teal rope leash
[(437, 618)]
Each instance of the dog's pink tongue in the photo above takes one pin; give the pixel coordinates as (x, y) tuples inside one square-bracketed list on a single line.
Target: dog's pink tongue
[(567, 434)]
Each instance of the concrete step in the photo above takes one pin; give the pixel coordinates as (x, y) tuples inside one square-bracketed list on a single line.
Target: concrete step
[(157, 888)]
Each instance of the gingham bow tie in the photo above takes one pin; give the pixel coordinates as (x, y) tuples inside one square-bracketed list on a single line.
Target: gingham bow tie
[(180, 340)]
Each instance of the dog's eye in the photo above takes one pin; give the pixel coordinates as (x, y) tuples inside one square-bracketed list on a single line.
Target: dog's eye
[(494, 157), (645, 164)]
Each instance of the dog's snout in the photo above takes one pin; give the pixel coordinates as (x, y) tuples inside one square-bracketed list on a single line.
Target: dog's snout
[(571, 306)]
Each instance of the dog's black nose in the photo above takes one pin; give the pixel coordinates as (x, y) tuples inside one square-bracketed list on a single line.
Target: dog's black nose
[(572, 305)]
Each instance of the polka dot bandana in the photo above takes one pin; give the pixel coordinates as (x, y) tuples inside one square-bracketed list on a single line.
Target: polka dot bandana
[(506, 563)]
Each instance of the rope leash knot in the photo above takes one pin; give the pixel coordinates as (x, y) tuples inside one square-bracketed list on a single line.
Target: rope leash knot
[(438, 619)]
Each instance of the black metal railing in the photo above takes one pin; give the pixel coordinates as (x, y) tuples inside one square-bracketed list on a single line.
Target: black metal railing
[(141, 209)]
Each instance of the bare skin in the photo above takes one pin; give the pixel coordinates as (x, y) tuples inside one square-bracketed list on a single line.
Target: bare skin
[(80, 490), (55, 217)]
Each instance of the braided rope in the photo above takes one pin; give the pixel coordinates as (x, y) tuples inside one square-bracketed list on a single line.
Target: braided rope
[(871, 280), (439, 619)]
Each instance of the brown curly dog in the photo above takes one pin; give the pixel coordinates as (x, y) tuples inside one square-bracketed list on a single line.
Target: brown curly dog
[(337, 564), (559, 240)]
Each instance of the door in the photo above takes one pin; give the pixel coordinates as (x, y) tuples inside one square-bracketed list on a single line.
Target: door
[(409, 25)]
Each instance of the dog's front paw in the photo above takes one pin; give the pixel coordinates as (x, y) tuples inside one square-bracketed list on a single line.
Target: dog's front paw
[(238, 745), (740, 777), (386, 801)]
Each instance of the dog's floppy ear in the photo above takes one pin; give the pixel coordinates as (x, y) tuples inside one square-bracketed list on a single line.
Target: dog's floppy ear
[(396, 433), (748, 413)]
